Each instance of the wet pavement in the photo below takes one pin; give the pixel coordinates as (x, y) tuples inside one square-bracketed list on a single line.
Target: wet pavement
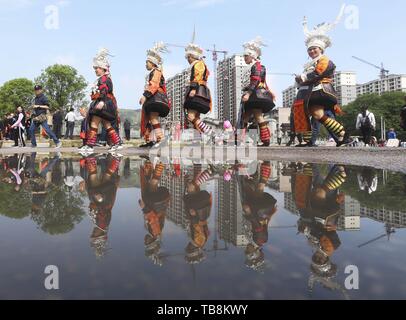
[(137, 228)]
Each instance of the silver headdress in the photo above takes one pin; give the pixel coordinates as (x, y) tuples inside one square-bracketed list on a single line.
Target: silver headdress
[(193, 49), (154, 54), (318, 36), (101, 59), (253, 48)]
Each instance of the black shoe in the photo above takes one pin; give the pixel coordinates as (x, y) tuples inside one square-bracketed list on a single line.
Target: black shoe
[(347, 141), (303, 145), (147, 145)]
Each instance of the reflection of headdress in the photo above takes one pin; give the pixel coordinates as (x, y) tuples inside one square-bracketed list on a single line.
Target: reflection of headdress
[(194, 255), (255, 258), (318, 36), (193, 49), (154, 54), (99, 245), (253, 48), (152, 250)]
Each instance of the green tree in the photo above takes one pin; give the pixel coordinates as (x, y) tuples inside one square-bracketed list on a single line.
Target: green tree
[(63, 85), (388, 106), (15, 93)]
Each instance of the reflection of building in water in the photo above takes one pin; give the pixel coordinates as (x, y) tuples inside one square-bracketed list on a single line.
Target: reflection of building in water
[(350, 219), (289, 203), (274, 182), (230, 213), (396, 219), (285, 184), (176, 187)]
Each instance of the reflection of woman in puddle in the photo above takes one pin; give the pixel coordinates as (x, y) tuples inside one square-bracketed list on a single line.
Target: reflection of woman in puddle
[(15, 166), (154, 203), (102, 195), (319, 202), (198, 208), (259, 208), (39, 181)]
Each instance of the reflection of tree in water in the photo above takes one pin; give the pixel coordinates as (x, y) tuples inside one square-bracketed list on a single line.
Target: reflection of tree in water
[(61, 211), (390, 195), (15, 205)]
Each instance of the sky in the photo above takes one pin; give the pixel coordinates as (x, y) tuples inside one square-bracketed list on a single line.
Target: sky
[(33, 39)]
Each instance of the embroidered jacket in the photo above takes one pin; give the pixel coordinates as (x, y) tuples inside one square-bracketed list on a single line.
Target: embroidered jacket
[(199, 75), (155, 83), (320, 70), (257, 77)]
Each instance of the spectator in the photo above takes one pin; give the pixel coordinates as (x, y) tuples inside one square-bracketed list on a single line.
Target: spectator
[(391, 135), (1, 129), (127, 129), (403, 117), (279, 135), (28, 122), (41, 105), (367, 124), (18, 127), (57, 120), (70, 123), (7, 126)]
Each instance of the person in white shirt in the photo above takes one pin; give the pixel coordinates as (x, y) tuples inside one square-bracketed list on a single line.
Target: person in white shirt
[(366, 122), (19, 127), (70, 119)]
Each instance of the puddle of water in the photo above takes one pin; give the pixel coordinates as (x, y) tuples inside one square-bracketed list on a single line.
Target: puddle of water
[(129, 228)]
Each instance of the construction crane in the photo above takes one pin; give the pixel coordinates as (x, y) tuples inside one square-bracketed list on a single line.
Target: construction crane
[(384, 73), (214, 53)]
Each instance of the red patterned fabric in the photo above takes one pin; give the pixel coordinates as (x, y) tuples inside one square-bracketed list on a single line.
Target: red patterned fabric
[(114, 165), (301, 119), (113, 136), (91, 137)]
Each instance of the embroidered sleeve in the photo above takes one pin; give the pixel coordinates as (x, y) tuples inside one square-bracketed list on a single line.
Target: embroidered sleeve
[(325, 67)]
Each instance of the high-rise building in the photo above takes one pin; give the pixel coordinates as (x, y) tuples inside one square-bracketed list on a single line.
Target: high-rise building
[(391, 83), (289, 96), (232, 77), (345, 83), (176, 87)]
